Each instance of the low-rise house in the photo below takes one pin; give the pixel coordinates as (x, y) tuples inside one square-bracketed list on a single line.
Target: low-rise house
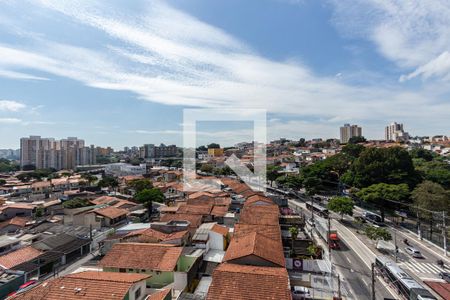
[(90, 285), (260, 215), (240, 282), (151, 235), (10, 281), (15, 224), (256, 250), (158, 260), (111, 216), (18, 257), (194, 220), (8, 244), (12, 210)]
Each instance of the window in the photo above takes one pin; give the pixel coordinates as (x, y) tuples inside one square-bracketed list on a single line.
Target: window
[(122, 270), (137, 294)]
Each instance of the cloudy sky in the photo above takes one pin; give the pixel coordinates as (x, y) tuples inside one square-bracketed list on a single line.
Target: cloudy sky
[(118, 74)]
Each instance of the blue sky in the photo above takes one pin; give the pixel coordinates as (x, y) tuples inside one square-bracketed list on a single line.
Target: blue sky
[(120, 73)]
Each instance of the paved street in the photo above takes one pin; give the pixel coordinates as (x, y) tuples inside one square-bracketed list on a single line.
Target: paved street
[(424, 268), (353, 261)]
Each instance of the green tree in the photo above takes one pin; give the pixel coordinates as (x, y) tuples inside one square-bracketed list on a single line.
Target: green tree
[(272, 173), (89, 178), (207, 168), (290, 181), (357, 139), (293, 230), (341, 205), (435, 170), (2, 182), (380, 193), (76, 203), (382, 165), (148, 196), (422, 154), (141, 184), (108, 181), (353, 150), (313, 250), (431, 196), (312, 185), (378, 233), (39, 212), (213, 146)]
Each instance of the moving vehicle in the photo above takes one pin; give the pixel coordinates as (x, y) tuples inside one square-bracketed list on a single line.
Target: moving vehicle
[(329, 236), (413, 252), (372, 218), (445, 276), (404, 283), (318, 209), (300, 292)]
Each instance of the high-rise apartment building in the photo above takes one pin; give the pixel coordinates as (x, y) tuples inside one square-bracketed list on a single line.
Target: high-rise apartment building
[(152, 151), (348, 131), (46, 153), (394, 132)]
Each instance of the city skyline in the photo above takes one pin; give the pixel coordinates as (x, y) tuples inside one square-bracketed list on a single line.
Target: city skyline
[(121, 75)]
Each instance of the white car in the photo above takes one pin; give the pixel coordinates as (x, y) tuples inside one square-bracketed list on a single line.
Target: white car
[(300, 292), (413, 252)]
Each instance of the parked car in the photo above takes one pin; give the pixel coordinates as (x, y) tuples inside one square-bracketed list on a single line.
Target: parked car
[(413, 252), (445, 276), (300, 292)]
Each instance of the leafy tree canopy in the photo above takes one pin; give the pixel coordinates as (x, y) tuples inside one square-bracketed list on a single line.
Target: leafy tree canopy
[(431, 196), (378, 233), (341, 205)]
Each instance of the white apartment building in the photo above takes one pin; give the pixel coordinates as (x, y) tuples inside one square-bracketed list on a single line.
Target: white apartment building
[(348, 131), (394, 132), (46, 153)]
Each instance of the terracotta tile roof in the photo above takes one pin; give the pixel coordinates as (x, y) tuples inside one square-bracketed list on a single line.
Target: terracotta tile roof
[(219, 211), (151, 236), (258, 200), (90, 285), (110, 276), (260, 215), (18, 221), (269, 231), (18, 206), (258, 245), (159, 295), (195, 209), (238, 282), (195, 220), (157, 257), (220, 229), (441, 288), (111, 212), (18, 257), (104, 200)]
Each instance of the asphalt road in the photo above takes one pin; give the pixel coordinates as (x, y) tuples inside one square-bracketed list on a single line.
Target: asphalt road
[(353, 266), (357, 274)]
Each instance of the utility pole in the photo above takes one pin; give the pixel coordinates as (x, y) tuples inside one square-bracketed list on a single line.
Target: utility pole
[(328, 238), (444, 232), (373, 281), (395, 243), (339, 286), (419, 232)]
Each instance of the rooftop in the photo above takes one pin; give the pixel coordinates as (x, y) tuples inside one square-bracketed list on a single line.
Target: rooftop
[(240, 282), (158, 257), (257, 245), (86, 285), (18, 257)]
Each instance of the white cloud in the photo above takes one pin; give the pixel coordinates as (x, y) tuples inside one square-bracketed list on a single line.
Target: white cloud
[(191, 63), (10, 105), (10, 120), (19, 75), (413, 34)]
